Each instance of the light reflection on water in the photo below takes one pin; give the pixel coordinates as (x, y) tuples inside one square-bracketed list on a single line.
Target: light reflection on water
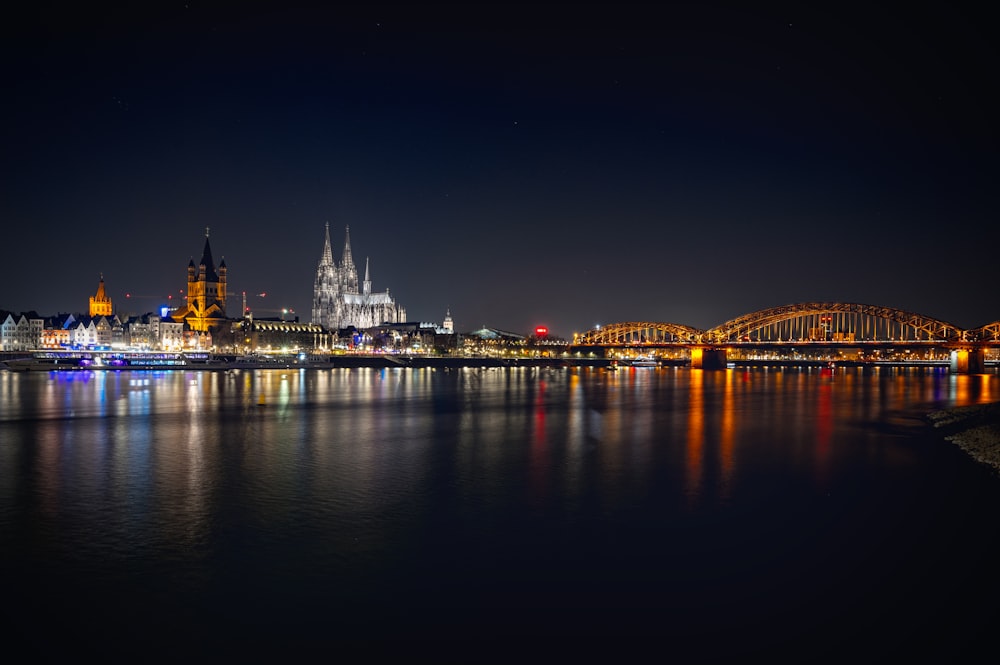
[(362, 484), (133, 432)]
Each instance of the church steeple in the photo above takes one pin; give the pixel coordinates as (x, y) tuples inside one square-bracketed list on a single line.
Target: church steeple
[(327, 287), (349, 272), (347, 259), (368, 281), (206, 261), (327, 257), (100, 304)]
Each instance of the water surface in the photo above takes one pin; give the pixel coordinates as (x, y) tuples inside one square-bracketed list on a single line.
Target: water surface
[(509, 514)]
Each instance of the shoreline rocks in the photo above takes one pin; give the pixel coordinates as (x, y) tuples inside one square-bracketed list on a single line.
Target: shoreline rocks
[(975, 429)]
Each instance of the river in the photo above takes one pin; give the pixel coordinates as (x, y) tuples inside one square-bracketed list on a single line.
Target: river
[(495, 514)]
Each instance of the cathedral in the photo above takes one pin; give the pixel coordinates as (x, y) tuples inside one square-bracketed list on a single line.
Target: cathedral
[(337, 301)]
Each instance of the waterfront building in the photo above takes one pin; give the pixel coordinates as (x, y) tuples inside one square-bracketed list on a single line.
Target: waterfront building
[(22, 333), (84, 333), (100, 303), (95, 331), (492, 341), (54, 335), (151, 331), (264, 335), (410, 337), (339, 303), (205, 309)]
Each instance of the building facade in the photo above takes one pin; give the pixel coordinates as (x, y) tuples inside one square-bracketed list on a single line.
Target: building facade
[(339, 303), (269, 335), (22, 333)]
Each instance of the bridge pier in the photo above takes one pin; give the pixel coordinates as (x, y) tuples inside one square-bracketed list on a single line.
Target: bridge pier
[(968, 361), (708, 358)]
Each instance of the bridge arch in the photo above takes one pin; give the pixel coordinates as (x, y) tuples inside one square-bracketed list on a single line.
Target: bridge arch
[(832, 321), (638, 332), (987, 333)]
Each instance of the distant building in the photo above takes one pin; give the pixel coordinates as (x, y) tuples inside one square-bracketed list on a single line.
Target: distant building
[(21, 333), (151, 331), (100, 303), (251, 335), (407, 337), (54, 334), (205, 310), (490, 341), (337, 301)]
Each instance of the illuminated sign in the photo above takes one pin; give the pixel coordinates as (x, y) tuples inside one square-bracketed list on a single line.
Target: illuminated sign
[(541, 331)]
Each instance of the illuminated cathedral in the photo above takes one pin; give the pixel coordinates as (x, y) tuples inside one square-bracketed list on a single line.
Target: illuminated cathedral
[(337, 301)]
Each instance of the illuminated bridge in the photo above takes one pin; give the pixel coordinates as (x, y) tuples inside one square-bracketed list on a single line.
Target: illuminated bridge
[(815, 331)]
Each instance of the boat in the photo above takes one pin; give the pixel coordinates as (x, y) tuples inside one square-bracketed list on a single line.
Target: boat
[(254, 361), (645, 361), (68, 359)]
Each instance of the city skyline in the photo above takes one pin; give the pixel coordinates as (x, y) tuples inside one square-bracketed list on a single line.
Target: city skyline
[(516, 166)]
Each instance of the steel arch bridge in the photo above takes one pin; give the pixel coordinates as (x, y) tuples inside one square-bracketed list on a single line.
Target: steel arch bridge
[(809, 321), (987, 333), (831, 321), (636, 332)]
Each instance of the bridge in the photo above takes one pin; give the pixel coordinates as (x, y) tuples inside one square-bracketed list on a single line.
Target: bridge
[(828, 331)]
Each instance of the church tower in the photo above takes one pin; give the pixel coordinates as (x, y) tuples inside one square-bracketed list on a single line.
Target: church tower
[(348, 271), (206, 293), (100, 303), (326, 288)]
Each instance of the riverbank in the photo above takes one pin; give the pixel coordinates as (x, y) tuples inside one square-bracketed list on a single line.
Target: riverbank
[(975, 429)]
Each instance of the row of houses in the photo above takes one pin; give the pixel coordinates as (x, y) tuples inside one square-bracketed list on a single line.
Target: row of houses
[(28, 331)]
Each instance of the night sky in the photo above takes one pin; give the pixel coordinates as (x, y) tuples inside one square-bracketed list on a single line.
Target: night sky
[(566, 165)]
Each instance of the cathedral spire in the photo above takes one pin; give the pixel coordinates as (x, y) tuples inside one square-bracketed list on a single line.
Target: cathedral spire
[(368, 282), (327, 258), (347, 260), (348, 271)]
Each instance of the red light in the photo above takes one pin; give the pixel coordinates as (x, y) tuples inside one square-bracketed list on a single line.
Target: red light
[(541, 331)]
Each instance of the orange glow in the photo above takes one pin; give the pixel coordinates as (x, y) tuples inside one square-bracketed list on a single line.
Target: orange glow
[(696, 436), (727, 438)]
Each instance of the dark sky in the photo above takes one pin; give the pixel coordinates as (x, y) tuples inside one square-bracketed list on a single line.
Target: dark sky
[(566, 165)]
